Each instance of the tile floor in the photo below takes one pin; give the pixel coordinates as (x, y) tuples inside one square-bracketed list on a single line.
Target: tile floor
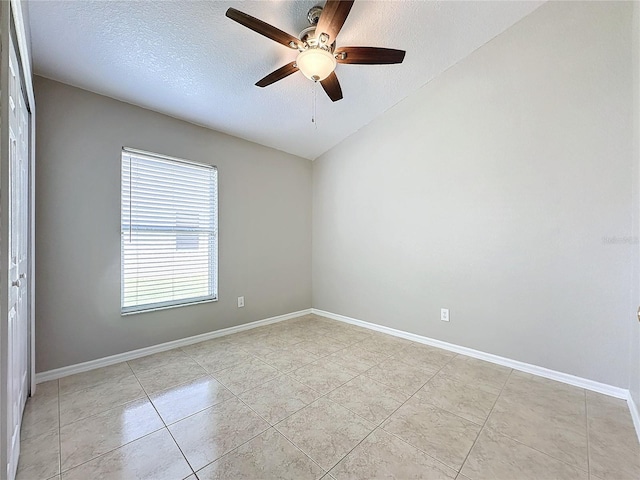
[(313, 398)]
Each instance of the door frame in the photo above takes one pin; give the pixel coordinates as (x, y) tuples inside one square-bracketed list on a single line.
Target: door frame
[(11, 15)]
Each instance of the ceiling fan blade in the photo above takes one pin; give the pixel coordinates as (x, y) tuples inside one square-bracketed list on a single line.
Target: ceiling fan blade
[(263, 28), (332, 87), (279, 74), (333, 17), (369, 55)]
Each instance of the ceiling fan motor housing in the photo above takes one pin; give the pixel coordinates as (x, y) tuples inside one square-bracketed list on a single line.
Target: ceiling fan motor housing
[(308, 35), (310, 40), (314, 15)]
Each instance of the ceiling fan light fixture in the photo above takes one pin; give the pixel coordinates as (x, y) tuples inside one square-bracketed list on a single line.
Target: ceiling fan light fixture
[(316, 63)]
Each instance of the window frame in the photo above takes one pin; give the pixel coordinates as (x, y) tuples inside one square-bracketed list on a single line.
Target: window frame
[(214, 241)]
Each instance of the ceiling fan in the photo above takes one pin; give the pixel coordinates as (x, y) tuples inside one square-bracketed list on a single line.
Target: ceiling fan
[(317, 52)]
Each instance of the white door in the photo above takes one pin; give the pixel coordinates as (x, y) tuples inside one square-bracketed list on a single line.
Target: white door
[(17, 351)]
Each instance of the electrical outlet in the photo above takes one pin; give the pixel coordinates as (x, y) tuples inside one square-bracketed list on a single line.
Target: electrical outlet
[(444, 314), (240, 302)]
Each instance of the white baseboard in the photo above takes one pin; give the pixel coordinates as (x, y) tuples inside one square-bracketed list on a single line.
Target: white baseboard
[(142, 352), (489, 357), (635, 414)]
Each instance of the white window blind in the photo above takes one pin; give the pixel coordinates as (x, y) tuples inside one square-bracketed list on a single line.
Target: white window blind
[(169, 232)]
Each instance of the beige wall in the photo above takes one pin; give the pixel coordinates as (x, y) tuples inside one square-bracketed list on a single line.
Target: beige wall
[(490, 192), (264, 224)]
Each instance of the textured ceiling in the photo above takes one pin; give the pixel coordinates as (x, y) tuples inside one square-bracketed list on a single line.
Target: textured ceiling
[(187, 60)]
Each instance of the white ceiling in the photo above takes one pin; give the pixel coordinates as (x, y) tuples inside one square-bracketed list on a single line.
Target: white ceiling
[(187, 60)]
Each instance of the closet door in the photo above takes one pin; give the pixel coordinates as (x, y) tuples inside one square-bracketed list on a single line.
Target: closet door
[(18, 341)]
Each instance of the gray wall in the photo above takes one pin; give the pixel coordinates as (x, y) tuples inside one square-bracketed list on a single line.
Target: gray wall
[(494, 191), (264, 224)]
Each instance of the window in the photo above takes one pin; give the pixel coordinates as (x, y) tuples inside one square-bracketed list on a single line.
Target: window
[(169, 232)]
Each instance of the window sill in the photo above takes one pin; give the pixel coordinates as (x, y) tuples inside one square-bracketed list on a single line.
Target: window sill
[(167, 307)]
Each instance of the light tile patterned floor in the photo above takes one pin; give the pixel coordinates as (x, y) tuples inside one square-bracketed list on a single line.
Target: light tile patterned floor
[(313, 398)]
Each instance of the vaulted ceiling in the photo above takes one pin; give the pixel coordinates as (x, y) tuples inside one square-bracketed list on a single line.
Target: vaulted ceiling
[(187, 60)]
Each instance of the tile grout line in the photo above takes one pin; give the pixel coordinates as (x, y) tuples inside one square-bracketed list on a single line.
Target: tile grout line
[(238, 446), (330, 354), (77, 392), (237, 397), (386, 418), (278, 431), (92, 385), (326, 472), (274, 426), (586, 420), (410, 397), (59, 432), (104, 411), (166, 427), (110, 451), (193, 470), (212, 374), (363, 374), (484, 424), (540, 451), (522, 443)]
